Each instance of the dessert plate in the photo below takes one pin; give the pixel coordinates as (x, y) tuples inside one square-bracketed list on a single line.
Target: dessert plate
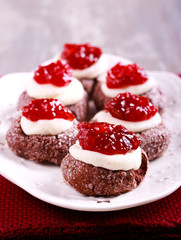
[(46, 182)]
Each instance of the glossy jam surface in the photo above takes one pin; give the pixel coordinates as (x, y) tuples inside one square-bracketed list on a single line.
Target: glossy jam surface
[(80, 56), (57, 74), (125, 75), (46, 109), (130, 107), (106, 138)]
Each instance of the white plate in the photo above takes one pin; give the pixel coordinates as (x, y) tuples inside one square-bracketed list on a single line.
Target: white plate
[(45, 182)]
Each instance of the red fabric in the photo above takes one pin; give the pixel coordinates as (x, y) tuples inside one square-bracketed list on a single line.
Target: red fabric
[(24, 217)]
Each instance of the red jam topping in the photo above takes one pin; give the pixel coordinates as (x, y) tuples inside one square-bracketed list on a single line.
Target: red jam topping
[(56, 73), (46, 109), (106, 138), (130, 107), (125, 75), (80, 56)]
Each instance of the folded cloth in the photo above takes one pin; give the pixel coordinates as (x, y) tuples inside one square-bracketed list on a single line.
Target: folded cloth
[(23, 216)]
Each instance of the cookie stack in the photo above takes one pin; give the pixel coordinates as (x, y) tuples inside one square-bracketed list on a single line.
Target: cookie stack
[(104, 150)]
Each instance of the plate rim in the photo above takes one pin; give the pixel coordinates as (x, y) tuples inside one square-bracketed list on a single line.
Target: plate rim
[(102, 208)]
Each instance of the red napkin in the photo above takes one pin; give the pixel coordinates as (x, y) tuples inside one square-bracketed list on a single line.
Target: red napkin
[(22, 216)]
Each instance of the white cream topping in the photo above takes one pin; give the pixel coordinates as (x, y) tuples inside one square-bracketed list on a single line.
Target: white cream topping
[(104, 116), (68, 95), (45, 127), (102, 77), (130, 160), (94, 70), (136, 89)]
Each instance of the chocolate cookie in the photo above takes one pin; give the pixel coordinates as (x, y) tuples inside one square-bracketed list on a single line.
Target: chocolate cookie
[(155, 95), (79, 109), (155, 141), (98, 181), (88, 85), (40, 148)]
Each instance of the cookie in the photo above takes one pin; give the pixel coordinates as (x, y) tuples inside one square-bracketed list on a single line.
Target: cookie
[(96, 181), (80, 109), (155, 141), (40, 148), (155, 95)]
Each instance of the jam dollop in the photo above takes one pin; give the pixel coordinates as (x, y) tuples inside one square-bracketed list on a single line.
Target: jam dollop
[(121, 76), (106, 138), (130, 107), (46, 109), (56, 73), (80, 56)]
